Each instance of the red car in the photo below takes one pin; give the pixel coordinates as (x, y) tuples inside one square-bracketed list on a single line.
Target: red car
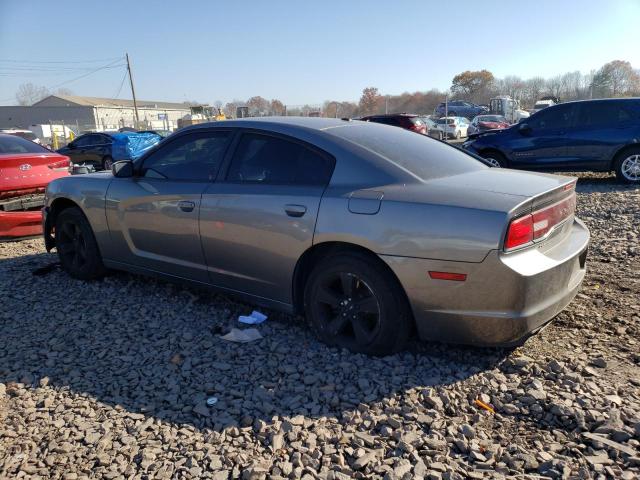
[(25, 170), (407, 121), (482, 123)]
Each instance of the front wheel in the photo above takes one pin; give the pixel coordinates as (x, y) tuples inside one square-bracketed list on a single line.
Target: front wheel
[(495, 159), (356, 303), (628, 166), (76, 245)]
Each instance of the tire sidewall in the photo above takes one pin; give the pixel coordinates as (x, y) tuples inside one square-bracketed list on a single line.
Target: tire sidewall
[(395, 320), (93, 268), (618, 165)]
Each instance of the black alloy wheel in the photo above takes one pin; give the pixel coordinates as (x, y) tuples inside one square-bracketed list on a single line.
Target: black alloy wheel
[(353, 300)]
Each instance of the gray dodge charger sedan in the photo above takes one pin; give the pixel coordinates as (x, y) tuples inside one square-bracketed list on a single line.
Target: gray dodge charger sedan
[(374, 233)]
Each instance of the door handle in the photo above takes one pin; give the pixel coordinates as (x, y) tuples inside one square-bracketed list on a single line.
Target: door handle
[(186, 206), (295, 210)]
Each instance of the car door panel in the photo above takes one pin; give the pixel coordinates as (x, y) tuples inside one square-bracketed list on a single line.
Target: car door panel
[(154, 217), (601, 129), (257, 223), (253, 235), (151, 229), (544, 147)]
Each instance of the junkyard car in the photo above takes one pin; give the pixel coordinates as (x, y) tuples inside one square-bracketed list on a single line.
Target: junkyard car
[(373, 232), (25, 170)]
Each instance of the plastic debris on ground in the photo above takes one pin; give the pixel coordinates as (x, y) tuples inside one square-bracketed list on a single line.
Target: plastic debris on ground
[(131, 145), (211, 401), (481, 404), (242, 336), (254, 319)]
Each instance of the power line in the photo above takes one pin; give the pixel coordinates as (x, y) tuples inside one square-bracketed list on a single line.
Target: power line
[(124, 77), (104, 67), (97, 60)]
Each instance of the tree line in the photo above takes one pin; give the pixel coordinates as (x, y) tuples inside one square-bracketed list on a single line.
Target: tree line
[(614, 79)]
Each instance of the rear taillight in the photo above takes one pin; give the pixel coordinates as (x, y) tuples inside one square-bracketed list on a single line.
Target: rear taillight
[(60, 164), (520, 232), (535, 226)]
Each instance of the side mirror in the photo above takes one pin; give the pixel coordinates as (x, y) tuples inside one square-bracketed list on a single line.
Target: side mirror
[(122, 169), (524, 129)]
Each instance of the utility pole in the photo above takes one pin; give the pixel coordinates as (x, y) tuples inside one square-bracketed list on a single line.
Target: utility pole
[(133, 91)]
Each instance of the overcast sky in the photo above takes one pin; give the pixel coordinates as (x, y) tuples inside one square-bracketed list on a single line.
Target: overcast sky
[(301, 51)]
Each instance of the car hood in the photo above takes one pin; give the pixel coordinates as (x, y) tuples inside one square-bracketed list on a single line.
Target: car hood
[(488, 133)]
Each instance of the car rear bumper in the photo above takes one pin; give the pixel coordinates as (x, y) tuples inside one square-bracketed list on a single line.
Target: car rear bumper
[(503, 300), (20, 224)]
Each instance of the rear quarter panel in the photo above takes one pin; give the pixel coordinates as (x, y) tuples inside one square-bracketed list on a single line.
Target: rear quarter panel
[(413, 229)]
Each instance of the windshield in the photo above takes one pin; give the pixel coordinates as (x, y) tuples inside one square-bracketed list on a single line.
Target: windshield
[(12, 144), (423, 156), (492, 118)]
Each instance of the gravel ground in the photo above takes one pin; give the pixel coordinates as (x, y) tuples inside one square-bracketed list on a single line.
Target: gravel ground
[(110, 379)]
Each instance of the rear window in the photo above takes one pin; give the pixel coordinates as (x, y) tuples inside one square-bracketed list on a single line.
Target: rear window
[(423, 156), (12, 144), (442, 121), (28, 135)]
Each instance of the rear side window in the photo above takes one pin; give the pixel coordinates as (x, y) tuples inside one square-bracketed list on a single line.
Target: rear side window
[(424, 157), (275, 161), (603, 113), (193, 157), (12, 144)]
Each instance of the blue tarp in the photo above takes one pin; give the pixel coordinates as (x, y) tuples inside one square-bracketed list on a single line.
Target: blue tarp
[(131, 145)]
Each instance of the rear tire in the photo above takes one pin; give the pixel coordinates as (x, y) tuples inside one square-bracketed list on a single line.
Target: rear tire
[(627, 166), (496, 159), (76, 245), (107, 162), (356, 303)]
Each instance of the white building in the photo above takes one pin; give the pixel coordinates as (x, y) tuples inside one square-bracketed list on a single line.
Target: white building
[(93, 113)]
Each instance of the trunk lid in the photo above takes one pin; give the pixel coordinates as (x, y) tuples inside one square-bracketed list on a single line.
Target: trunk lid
[(22, 173)]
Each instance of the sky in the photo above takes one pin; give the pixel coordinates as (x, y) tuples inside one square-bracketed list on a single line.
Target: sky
[(302, 52)]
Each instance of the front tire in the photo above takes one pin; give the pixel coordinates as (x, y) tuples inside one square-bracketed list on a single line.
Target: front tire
[(356, 303), (627, 166), (495, 159), (76, 245)]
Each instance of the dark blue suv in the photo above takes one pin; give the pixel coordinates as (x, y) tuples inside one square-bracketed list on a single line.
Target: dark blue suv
[(458, 108), (589, 135)]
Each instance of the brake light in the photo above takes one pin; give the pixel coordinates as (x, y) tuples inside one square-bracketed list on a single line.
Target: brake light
[(60, 164), (520, 232), (536, 225)]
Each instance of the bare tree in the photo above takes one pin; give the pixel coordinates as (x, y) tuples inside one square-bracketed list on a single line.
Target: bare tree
[(28, 93), (369, 101)]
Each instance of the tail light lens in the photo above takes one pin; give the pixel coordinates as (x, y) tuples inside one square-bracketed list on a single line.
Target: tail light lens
[(60, 164), (536, 225)]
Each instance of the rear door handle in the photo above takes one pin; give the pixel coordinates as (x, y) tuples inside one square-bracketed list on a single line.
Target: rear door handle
[(186, 206), (295, 210)]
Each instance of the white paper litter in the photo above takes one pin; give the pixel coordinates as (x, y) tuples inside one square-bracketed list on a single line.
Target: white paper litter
[(242, 336)]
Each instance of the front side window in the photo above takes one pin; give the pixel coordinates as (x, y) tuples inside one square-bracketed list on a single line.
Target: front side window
[(554, 117), (275, 161), (193, 157)]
